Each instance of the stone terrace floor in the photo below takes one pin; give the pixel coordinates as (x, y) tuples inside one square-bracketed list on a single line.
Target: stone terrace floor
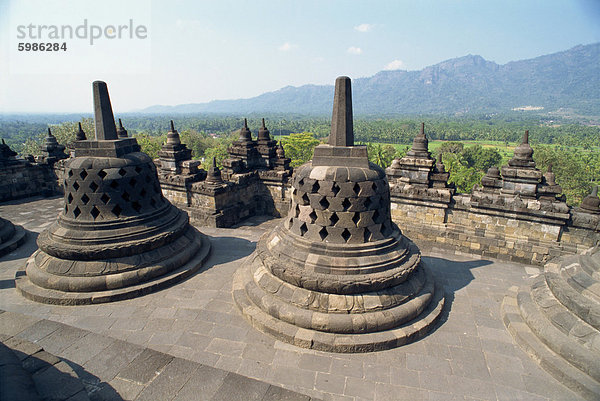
[(469, 356)]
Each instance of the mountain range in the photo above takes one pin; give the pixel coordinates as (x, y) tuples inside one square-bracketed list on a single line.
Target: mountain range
[(568, 80)]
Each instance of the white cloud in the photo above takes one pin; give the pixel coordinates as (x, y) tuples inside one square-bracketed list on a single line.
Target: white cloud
[(363, 27), (354, 50), (394, 65), (286, 47)]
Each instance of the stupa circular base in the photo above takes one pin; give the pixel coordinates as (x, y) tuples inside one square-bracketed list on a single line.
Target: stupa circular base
[(14, 240), (118, 292), (296, 326)]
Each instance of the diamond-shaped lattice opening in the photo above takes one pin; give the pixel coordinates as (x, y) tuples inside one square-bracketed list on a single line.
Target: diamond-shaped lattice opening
[(105, 198), (356, 188), (66, 209), (313, 217), (346, 235), (152, 202), (76, 212), (334, 219), (301, 182), (374, 186), (294, 191), (356, 218), (376, 216), (288, 223), (305, 200), (95, 212), (323, 233), (346, 204), (114, 184), (69, 198), (136, 206), (102, 174), (85, 199), (303, 229), (70, 173), (367, 235), (83, 174), (138, 169), (93, 186), (132, 182), (315, 187), (297, 211), (117, 210), (367, 203), (125, 196), (143, 192), (65, 183), (122, 172), (76, 185), (324, 203), (335, 189)]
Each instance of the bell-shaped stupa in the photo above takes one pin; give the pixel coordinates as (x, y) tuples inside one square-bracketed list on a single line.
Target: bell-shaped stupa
[(117, 236), (337, 274)]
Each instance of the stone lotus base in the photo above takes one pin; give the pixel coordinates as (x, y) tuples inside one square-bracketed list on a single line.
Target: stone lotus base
[(156, 269), (346, 318), (556, 321), (11, 237)]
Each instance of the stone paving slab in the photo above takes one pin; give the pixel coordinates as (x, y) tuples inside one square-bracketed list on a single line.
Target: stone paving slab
[(94, 367), (469, 356)]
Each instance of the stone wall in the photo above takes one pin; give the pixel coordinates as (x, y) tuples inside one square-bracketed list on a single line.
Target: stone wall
[(24, 179)]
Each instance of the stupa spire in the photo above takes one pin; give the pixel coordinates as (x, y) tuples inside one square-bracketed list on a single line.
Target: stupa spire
[(342, 128), (80, 135), (104, 119)]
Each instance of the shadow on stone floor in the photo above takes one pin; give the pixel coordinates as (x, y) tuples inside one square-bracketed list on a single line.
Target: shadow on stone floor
[(27, 200), (49, 377), (227, 249), (25, 250), (453, 275)]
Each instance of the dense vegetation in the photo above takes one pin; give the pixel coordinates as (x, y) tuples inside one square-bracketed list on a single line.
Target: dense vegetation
[(571, 147)]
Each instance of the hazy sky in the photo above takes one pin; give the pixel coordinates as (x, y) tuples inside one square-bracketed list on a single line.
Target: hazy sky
[(197, 51)]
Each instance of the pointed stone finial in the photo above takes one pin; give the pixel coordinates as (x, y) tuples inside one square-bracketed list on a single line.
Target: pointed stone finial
[(173, 136), (280, 151), (50, 133), (121, 131), (80, 135), (3, 143), (523, 156), (592, 202), (214, 174), (439, 165), (245, 134), (263, 132), (104, 119), (342, 129), (420, 146)]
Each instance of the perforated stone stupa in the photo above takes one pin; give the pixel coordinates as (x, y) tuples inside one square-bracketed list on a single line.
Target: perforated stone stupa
[(117, 236), (337, 274)]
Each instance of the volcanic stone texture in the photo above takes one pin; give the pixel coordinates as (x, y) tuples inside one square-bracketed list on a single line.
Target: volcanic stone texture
[(117, 236), (338, 275), (11, 236), (557, 321)]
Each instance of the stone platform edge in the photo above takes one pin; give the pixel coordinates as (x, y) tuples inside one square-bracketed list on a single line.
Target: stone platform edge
[(108, 367)]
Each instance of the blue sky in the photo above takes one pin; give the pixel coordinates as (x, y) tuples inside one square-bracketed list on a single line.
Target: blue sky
[(197, 51)]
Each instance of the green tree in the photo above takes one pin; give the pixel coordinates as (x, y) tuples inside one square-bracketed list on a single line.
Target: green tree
[(480, 158), (299, 147), (382, 155), (150, 145)]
